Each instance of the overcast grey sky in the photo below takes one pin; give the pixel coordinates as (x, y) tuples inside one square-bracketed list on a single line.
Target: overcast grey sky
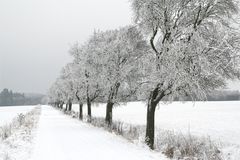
[(35, 36)]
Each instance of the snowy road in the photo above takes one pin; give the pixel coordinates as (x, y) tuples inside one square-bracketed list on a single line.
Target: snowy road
[(63, 138)]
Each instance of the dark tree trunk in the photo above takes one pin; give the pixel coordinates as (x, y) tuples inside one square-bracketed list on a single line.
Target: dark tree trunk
[(80, 111), (66, 109), (80, 106), (154, 98), (61, 105), (149, 139), (57, 104), (109, 107), (89, 109), (108, 117), (69, 105)]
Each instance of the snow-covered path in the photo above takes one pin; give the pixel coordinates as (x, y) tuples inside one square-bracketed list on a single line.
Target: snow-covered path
[(63, 138)]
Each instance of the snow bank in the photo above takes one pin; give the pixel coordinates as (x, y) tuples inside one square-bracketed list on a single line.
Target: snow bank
[(18, 144), (9, 112), (219, 120)]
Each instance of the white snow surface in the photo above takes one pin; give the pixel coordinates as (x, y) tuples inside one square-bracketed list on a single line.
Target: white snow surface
[(18, 146), (9, 112), (62, 138), (219, 120)]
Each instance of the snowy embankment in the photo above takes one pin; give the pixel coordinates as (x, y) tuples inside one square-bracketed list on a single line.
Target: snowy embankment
[(16, 137), (7, 113), (218, 120), (63, 138)]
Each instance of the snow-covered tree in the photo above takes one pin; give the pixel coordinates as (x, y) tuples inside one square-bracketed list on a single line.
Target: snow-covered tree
[(117, 56), (195, 48), (79, 86), (63, 90), (57, 93), (68, 84), (88, 72), (79, 76)]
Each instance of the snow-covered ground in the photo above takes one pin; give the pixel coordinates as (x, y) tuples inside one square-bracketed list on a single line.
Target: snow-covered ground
[(62, 138), (18, 143), (219, 120), (9, 112)]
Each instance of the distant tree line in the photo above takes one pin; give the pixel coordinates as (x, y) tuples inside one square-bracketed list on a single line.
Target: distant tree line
[(10, 98), (220, 95), (224, 96)]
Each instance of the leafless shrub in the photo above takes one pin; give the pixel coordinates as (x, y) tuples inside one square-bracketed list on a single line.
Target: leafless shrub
[(28, 120), (98, 122), (20, 119), (186, 146), (5, 131), (117, 127), (6, 156), (128, 131)]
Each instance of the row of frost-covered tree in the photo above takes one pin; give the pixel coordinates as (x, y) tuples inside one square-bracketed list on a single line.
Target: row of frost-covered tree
[(173, 50)]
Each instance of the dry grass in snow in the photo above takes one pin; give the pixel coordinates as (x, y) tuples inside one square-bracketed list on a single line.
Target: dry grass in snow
[(16, 137)]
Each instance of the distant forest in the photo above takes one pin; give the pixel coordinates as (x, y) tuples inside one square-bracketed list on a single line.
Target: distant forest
[(10, 98), (221, 95), (224, 96)]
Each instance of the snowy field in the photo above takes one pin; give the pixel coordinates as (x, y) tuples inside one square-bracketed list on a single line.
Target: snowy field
[(9, 112), (219, 120)]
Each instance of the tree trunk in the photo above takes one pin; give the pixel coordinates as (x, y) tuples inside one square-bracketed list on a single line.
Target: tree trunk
[(149, 139), (89, 109), (66, 109), (61, 106), (155, 96), (80, 111), (109, 107), (108, 118), (70, 105), (57, 104)]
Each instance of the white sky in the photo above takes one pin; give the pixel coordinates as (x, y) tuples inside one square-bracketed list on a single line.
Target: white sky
[(35, 36)]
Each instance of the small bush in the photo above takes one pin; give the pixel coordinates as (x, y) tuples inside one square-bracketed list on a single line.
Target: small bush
[(5, 131), (28, 120), (20, 119), (6, 157), (128, 131), (186, 146)]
